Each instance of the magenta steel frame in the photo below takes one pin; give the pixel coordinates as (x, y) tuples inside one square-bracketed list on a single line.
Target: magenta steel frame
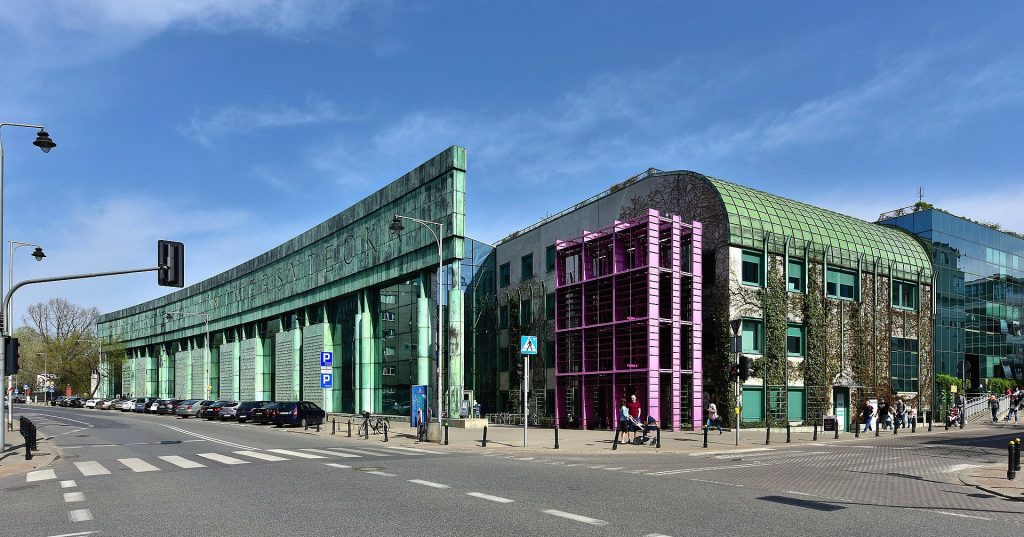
[(611, 281)]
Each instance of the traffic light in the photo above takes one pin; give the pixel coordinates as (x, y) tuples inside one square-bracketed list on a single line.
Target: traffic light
[(744, 371), (734, 372), (170, 257), (10, 355), (519, 368)]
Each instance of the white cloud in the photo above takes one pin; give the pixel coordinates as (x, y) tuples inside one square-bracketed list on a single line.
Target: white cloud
[(206, 128)]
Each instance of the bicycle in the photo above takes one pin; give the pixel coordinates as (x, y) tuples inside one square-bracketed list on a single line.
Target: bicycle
[(372, 423)]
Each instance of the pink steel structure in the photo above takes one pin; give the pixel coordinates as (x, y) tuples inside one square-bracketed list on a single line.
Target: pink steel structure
[(628, 322)]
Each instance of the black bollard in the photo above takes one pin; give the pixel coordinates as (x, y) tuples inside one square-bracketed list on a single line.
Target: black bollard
[(913, 424), (705, 436), (837, 430), (318, 426), (556, 437), (446, 433), (856, 430), (947, 423), (789, 433), (878, 427), (483, 443), (334, 426), (962, 418), (1010, 472), (895, 427), (929, 421), (658, 437), (815, 432), (350, 428), (615, 440), (767, 435), (385, 431), (1016, 455)]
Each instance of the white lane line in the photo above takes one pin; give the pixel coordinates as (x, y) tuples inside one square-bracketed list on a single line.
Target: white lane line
[(797, 493), (68, 484), (40, 475), (221, 458), (429, 484), (962, 516), (336, 465), (91, 468), (613, 469), (728, 452), (181, 462), (578, 518), (79, 515), (716, 482), (657, 535), (525, 459), (261, 456), (331, 453), (483, 496), (382, 474), (209, 438), (363, 452), (296, 453), (87, 424), (79, 534), (73, 497), (138, 465), (418, 450)]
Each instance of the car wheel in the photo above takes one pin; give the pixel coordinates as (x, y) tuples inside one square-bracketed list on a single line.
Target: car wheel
[(241, 420), (277, 425), (302, 423)]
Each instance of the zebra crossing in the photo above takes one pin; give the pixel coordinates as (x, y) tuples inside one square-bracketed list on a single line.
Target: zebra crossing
[(214, 459)]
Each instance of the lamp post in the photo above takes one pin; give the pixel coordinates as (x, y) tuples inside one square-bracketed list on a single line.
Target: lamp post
[(206, 362), (44, 143), (46, 376), (9, 314), (396, 227)]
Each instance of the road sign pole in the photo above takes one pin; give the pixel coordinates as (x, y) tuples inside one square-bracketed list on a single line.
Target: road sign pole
[(526, 385)]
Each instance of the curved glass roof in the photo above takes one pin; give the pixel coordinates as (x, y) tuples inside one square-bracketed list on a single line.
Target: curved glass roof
[(752, 213)]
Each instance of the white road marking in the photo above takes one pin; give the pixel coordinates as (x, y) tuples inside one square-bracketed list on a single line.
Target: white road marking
[(657, 535), (91, 468), (797, 493), (578, 518), (296, 453), (79, 534), (73, 497), (261, 456), (429, 484), (182, 462), (382, 474), (336, 465), (418, 450), (68, 484), (363, 452), (209, 438), (221, 458), (731, 451), (87, 424), (613, 469), (716, 482), (40, 475), (138, 465), (80, 515), (962, 516), (483, 496), (332, 453), (959, 468), (525, 459)]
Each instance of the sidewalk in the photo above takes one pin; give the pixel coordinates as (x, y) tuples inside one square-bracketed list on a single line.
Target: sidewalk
[(12, 461), (992, 479)]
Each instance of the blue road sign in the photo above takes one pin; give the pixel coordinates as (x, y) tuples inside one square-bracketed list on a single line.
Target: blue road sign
[(326, 380), (528, 345), (326, 359)]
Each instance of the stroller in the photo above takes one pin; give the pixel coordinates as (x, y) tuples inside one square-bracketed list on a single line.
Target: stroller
[(953, 417), (650, 426)]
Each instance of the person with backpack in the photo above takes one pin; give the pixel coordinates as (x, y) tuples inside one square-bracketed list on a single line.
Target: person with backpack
[(867, 412)]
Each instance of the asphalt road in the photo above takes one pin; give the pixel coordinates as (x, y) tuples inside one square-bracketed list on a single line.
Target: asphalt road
[(128, 474)]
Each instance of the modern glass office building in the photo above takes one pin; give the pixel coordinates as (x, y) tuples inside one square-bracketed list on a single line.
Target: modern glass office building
[(979, 279)]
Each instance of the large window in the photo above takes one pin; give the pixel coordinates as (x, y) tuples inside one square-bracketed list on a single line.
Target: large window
[(904, 295), (503, 316), (795, 340), (903, 364), (504, 275), (526, 312), (753, 336), (795, 278), (549, 306), (549, 258), (841, 284), (526, 267), (751, 270)]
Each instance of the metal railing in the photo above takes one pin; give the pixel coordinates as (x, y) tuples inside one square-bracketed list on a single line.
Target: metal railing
[(975, 406)]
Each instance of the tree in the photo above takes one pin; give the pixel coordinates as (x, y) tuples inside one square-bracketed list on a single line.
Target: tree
[(60, 339)]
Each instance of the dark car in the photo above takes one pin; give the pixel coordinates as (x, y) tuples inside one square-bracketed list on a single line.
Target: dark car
[(227, 410), (57, 401), (301, 413), (73, 402), (243, 412), (265, 413), (142, 404), (166, 406), (212, 410)]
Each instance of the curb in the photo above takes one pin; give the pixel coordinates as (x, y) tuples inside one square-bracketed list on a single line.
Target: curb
[(966, 480), (38, 462)]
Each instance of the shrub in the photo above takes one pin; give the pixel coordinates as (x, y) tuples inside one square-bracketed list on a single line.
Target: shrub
[(999, 386)]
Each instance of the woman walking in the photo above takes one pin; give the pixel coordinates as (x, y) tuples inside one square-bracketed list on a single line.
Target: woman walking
[(713, 418)]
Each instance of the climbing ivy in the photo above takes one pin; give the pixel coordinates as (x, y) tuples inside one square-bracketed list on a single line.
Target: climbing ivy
[(816, 381), (773, 370)]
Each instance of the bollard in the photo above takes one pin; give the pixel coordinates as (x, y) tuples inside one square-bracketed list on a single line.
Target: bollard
[(815, 432), (788, 433), (658, 445), (705, 436), (856, 430), (556, 437), (1010, 472), (305, 426), (483, 443), (947, 423), (878, 428), (350, 428), (615, 440), (318, 426), (837, 430), (913, 425), (929, 421), (767, 435), (334, 426), (1016, 455), (386, 431), (446, 433), (962, 419), (895, 427)]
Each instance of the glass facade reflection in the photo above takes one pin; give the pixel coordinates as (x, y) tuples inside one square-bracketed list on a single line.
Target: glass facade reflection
[(979, 276)]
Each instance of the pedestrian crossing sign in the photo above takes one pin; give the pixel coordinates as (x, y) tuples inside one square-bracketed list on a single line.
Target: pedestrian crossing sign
[(528, 345)]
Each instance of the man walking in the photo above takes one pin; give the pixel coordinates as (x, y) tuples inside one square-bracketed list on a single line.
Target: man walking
[(993, 404), (868, 412)]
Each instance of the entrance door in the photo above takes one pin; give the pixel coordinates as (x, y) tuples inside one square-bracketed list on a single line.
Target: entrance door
[(840, 397)]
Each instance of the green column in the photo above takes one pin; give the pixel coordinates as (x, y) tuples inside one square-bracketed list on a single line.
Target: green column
[(455, 364), (423, 331), (366, 354), (263, 369), (236, 351), (330, 396), (152, 375)]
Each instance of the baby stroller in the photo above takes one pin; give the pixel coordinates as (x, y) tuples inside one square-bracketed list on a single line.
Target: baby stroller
[(649, 427), (953, 417)]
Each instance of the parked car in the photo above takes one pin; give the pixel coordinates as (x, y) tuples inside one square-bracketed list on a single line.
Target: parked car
[(106, 404), (301, 413), (227, 410), (57, 400), (90, 403), (19, 398), (190, 407), (166, 406), (142, 404), (211, 411), (128, 405), (265, 413), (243, 411), (72, 402)]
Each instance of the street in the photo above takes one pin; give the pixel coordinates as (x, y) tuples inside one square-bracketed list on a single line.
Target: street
[(131, 474)]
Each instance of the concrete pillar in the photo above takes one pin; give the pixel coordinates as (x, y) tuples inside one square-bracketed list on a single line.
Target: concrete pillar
[(423, 331), (455, 364), (152, 374), (357, 357), (366, 352), (297, 362), (263, 368)]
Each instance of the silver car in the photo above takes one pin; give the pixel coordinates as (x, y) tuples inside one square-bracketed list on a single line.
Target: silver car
[(190, 407)]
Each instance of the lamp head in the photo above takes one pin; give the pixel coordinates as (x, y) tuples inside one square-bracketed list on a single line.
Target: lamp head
[(38, 253), (396, 225), (43, 141)]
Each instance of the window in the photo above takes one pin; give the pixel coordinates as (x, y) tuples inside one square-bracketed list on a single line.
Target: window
[(549, 306), (388, 333), (387, 316), (388, 298), (526, 312), (904, 295), (503, 316), (504, 275), (549, 258), (795, 278), (526, 267), (903, 364), (841, 284), (389, 371), (389, 351), (753, 336), (751, 268), (795, 340)]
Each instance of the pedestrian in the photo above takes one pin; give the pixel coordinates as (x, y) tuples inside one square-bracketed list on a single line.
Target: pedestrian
[(634, 407), (961, 407), (993, 404), (901, 413), (868, 412), (713, 418), (884, 415), (626, 424)]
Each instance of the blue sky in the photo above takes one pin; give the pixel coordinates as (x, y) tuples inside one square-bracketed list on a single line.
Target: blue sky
[(234, 126)]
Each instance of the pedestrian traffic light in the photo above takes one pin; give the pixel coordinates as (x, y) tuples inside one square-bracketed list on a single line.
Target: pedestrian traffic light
[(519, 367), (170, 257), (10, 355), (734, 372), (744, 369)]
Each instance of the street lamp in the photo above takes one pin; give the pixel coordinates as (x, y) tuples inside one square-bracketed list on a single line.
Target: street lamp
[(396, 227), (44, 143), (9, 314), (46, 375), (206, 362)]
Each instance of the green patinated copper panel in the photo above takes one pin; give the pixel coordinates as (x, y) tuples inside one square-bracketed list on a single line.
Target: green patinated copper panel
[(350, 251), (227, 370), (284, 357), (247, 370)]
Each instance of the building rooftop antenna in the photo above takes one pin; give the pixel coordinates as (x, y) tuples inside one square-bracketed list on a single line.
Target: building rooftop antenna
[(920, 194)]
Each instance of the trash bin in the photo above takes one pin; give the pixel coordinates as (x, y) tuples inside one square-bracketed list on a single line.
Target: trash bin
[(830, 423)]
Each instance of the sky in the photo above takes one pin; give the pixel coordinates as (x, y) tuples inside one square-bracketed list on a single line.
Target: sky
[(235, 126)]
